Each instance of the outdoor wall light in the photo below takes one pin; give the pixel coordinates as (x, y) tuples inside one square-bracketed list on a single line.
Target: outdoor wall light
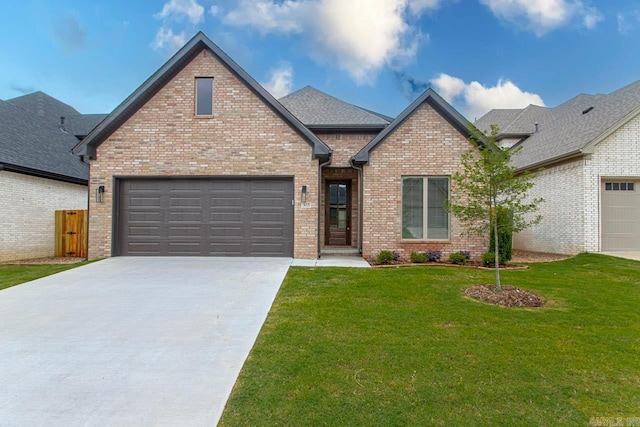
[(99, 193), (303, 197)]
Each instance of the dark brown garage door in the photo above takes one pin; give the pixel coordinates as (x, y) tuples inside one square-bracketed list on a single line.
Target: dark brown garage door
[(206, 217)]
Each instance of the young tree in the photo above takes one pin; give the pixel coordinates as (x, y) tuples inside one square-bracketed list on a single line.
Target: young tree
[(490, 183)]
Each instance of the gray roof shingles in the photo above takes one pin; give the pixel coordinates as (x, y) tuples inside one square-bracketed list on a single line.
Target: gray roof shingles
[(31, 139), (81, 124), (315, 108), (565, 130)]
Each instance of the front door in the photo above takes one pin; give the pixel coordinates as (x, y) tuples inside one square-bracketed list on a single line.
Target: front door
[(338, 213)]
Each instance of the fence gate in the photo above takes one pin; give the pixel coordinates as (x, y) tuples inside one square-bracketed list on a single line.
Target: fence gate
[(71, 233)]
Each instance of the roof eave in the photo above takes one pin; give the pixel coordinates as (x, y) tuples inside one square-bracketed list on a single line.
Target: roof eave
[(513, 135), (548, 162), (346, 127), (42, 174)]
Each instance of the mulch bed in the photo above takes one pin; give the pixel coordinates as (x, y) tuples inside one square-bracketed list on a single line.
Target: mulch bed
[(509, 297)]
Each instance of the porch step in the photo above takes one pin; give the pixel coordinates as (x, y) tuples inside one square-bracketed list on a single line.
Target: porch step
[(339, 251)]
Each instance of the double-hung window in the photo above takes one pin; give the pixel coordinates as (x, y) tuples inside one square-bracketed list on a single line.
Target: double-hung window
[(424, 213), (204, 96)]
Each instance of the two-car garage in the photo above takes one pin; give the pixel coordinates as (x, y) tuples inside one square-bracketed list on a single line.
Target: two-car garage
[(204, 216)]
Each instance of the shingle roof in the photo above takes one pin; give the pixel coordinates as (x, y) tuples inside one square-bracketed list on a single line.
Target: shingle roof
[(29, 143), (513, 121), (44, 107), (82, 124), (572, 127), (154, 83), (316, 109)]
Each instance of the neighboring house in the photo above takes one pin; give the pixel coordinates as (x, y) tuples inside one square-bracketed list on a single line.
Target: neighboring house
[(38, 172), (202, 160), (589, 148)]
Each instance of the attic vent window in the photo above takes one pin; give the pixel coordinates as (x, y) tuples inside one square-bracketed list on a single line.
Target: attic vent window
[(587, 110), (204, 96)]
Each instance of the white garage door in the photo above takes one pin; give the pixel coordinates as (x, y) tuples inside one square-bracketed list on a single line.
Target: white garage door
[(621, 215)]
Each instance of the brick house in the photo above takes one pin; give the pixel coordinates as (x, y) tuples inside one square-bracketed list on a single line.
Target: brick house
[(38, 172), (202, 160), (589, 148)]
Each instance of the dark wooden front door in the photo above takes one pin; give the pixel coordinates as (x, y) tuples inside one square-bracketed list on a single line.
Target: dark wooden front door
[(338, 213)]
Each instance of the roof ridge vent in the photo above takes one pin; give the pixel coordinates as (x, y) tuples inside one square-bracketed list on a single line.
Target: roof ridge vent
[(585, 111)]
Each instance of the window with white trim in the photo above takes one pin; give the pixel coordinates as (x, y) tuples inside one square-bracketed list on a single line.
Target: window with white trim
[(424, 215), (204, 96)]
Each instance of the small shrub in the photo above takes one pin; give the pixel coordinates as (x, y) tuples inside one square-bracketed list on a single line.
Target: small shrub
[(457, 258), (418, 257), (385, 257), (396, 255), (488, 259), (505, 238), (433, 256), (466, 254)]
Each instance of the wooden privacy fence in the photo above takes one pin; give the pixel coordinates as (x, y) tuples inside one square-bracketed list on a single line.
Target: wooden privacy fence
[(71, 233)]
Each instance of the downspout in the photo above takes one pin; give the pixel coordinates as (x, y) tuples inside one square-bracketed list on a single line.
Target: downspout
[(360, 202), (320, 166)]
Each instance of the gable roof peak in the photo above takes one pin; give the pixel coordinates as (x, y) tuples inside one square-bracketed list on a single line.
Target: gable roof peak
[(170, 69), (429, 96)]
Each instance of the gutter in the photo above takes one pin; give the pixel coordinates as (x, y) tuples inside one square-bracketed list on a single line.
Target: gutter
[(43, 174), (361, 199), (557, 159)]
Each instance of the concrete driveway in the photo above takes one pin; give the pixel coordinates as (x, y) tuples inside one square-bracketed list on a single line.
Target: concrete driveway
[(132, 341), (634, 255)]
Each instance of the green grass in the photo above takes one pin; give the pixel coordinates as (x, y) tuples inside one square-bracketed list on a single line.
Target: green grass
[(11, 275), (405, 347)]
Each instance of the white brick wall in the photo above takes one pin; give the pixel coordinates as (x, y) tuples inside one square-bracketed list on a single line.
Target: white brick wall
[(27, 213), (561, 228), (571, 211), (616, 157)]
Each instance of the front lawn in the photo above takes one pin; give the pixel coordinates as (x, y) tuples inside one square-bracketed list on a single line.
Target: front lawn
[(11, 275), (403, 346)]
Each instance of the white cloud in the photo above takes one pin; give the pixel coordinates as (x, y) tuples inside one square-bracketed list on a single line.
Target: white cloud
[(591, 17), (448, 87), (476, 100), (281, 80), (627, 21), (359, 36), (214, 10), (543, 16), (267, 16), (166, 39), (178, 9)]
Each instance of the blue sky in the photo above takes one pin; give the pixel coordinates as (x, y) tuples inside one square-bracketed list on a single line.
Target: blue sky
[(378, 54)]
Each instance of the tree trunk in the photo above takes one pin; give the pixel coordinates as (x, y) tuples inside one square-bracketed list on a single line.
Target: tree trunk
[(496, 250)]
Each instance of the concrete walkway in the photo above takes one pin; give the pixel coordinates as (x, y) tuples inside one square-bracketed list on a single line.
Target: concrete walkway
[(332, 261), (132, 341), (634, 255)]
